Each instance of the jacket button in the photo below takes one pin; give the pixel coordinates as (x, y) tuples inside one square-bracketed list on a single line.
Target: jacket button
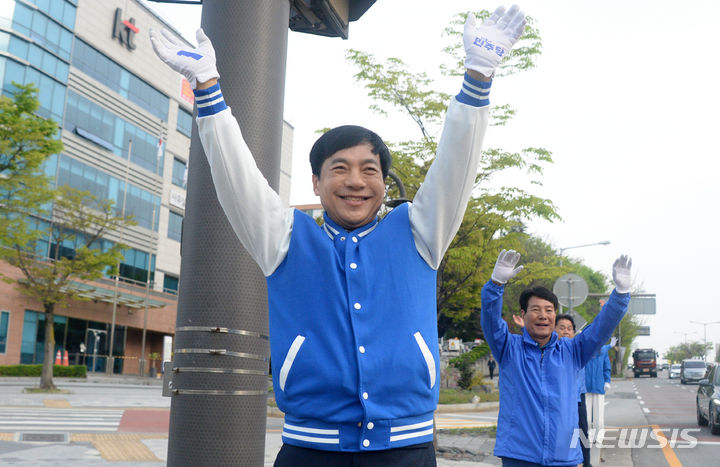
[(361, 349), (365, 395), (357, 306), (353, 266), (366, 442), (370, 425), (354, 239)]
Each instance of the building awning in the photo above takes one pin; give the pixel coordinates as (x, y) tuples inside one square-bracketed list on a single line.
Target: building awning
[(93, 292)]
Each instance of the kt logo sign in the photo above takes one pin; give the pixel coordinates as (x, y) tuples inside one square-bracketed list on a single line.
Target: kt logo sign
[(124, 30)]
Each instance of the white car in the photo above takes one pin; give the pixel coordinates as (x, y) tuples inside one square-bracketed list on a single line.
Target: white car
[(674, 371)]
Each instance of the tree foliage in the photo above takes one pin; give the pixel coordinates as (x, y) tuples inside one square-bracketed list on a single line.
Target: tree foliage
[(70, 221), (26, 140), (685, 350), (496, 215)]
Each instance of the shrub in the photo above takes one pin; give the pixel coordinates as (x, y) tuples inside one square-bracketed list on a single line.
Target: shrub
[(72, 371), (464, 364)]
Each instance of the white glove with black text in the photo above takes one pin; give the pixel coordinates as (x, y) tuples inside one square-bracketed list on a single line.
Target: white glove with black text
[(621, 274), (196, 64), (505, 266), (486, 45)]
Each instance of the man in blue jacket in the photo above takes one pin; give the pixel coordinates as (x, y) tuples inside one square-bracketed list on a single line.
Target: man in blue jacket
[(352, 305), (597, 382), (538, 391)]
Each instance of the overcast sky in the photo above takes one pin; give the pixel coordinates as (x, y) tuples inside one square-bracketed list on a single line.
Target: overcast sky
[(625, 96)]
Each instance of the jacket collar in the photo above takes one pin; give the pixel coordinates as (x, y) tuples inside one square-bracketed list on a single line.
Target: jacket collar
[(527, 340), (333, 229)]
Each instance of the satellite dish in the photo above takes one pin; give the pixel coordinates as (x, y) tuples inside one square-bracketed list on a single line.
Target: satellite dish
[(571, 290)]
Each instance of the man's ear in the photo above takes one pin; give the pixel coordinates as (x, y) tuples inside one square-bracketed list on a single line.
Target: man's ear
[(315, 180)]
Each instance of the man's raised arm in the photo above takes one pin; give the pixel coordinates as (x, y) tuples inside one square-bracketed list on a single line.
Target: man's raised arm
[(494, 328), (590, 340), (253, 208), (439, 205)]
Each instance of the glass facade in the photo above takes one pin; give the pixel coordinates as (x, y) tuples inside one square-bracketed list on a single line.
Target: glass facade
[(112, 75), (69, 333), (111, 132), (51, 93), (175, 226), (138, 202), (184, 122), (4, 322), (170, 284), (178, 173)]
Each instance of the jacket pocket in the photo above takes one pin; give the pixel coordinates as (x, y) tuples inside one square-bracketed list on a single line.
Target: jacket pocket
[(289, 359), (427, 355)]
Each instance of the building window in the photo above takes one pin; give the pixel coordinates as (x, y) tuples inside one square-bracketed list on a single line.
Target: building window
[(170, 284), (43, 30), (138, 202), (90, 61), (51, 93), (175, 226), (106, 129), (178, 173), (184, 122), (4, 323)]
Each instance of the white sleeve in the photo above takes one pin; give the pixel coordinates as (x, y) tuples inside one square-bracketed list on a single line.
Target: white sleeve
[(439, 205), (254, 210)]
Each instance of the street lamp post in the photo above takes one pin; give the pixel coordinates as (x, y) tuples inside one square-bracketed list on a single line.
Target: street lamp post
[(685, 334), (562, 250), (705, 325)]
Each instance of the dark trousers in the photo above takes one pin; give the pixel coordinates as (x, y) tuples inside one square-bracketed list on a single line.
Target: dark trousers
[(419, 455), (583, 425), (491, 370)]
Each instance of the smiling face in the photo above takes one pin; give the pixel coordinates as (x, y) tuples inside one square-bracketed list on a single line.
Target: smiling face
[(351, 186), (564, 328), (539, 319)]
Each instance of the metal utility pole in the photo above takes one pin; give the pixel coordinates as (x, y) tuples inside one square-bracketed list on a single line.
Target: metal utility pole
[(110, 365), (220, 365), (705, 325)]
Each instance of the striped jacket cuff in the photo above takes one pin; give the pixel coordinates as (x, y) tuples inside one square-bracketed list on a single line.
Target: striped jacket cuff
[(209, 101), (474, 92)]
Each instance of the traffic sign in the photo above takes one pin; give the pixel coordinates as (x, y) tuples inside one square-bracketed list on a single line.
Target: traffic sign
[(571, 290)]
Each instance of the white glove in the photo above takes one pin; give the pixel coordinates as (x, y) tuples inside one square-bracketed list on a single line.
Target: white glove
[(613, 341), (488, 44), (505, 266), (621, 274), (607, 387), (197, 65)]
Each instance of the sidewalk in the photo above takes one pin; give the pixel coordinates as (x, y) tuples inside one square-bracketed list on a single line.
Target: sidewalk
[(143, 441)]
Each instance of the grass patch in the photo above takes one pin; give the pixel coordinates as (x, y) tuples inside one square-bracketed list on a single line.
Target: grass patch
[(461, 396), (490, 431)]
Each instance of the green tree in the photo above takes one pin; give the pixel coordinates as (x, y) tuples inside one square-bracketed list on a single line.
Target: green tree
[(26, 140), (685, 350), (495, 216), (32, 214)]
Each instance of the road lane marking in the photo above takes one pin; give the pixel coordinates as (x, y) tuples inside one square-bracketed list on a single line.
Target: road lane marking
[(670, 456), (646, 410)]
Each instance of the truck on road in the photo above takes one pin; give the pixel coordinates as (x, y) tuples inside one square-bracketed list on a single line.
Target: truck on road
[(645, 362)]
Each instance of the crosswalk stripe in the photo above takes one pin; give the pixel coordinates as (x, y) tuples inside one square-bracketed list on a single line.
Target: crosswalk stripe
[(32, 419)]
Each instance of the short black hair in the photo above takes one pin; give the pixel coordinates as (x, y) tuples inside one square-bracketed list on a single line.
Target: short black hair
[(567, 317), (540, 292), (348, 136)]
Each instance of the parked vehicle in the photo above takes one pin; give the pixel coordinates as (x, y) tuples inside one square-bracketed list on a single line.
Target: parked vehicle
[(707, 402), (692, 371), (674, 371), (665, 366), (645, 362)]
